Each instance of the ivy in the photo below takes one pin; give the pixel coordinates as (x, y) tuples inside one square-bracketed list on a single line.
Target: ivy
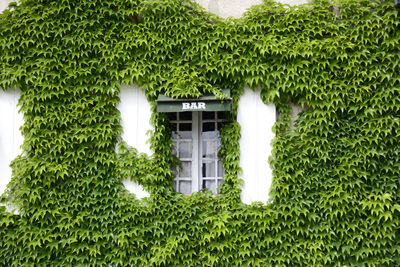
[(335, 194)]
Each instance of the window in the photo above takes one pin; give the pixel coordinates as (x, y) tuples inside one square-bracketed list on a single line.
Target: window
[(196, 143)]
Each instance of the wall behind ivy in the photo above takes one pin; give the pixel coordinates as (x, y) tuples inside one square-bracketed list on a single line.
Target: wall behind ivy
[(335, 193)]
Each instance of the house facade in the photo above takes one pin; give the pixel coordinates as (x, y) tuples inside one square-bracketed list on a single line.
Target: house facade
[(139, 118), (255, 117)]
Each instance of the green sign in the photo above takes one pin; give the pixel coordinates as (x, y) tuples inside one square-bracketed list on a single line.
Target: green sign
[(204, 103)]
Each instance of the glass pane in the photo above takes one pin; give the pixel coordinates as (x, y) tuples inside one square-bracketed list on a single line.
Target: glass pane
[(209, 184), (185, 150), (209, 149), (219, 183), (221, 170), (186, 170), (208, 115), (173, 149), (208, 126), (208, 169), (185, 135), (175, 170), (221, 115), (175, 185), (220, 125), (185, 126), (174, 127), (172, 116), (185, 116), (210, 135), (185, 130), (185, 187)]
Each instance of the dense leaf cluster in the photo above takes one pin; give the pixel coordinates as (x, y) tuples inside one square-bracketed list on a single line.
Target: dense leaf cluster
[(336, 189)]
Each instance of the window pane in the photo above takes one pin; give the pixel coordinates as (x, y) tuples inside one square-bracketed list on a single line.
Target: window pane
[(186, 170), (208, 126), (220, 125), (175, 170), (185, 126), (185, 116), (219, 183), (185, 135), (185, 150), (209, 149), (208, 115), (173, 149), (185, 130), (208, 169), (210, 135), (172, 116), (185, 187), (221, 115), (221, 170), (209, 184), (174, 127)]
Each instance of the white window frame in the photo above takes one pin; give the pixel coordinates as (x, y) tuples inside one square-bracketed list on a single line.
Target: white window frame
[(197, 159)]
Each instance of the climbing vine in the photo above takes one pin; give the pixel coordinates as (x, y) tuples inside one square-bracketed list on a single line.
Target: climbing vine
[(336, 188)]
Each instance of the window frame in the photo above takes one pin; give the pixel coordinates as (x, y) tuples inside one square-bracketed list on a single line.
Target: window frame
[(197, 160)]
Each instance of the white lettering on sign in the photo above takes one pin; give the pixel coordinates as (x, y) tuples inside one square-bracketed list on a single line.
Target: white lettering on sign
[(193, 105)]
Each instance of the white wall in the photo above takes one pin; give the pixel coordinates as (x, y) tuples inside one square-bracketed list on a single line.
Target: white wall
[(135, 120), (10, 135)]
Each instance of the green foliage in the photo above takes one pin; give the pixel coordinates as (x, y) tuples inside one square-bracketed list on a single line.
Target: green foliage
[(335, 194)]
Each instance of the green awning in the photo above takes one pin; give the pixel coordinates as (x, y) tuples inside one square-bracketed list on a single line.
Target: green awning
[(203, 103)]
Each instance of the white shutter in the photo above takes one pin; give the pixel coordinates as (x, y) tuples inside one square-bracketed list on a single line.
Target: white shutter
[(135, 121), (256, 120), (10, 135)]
